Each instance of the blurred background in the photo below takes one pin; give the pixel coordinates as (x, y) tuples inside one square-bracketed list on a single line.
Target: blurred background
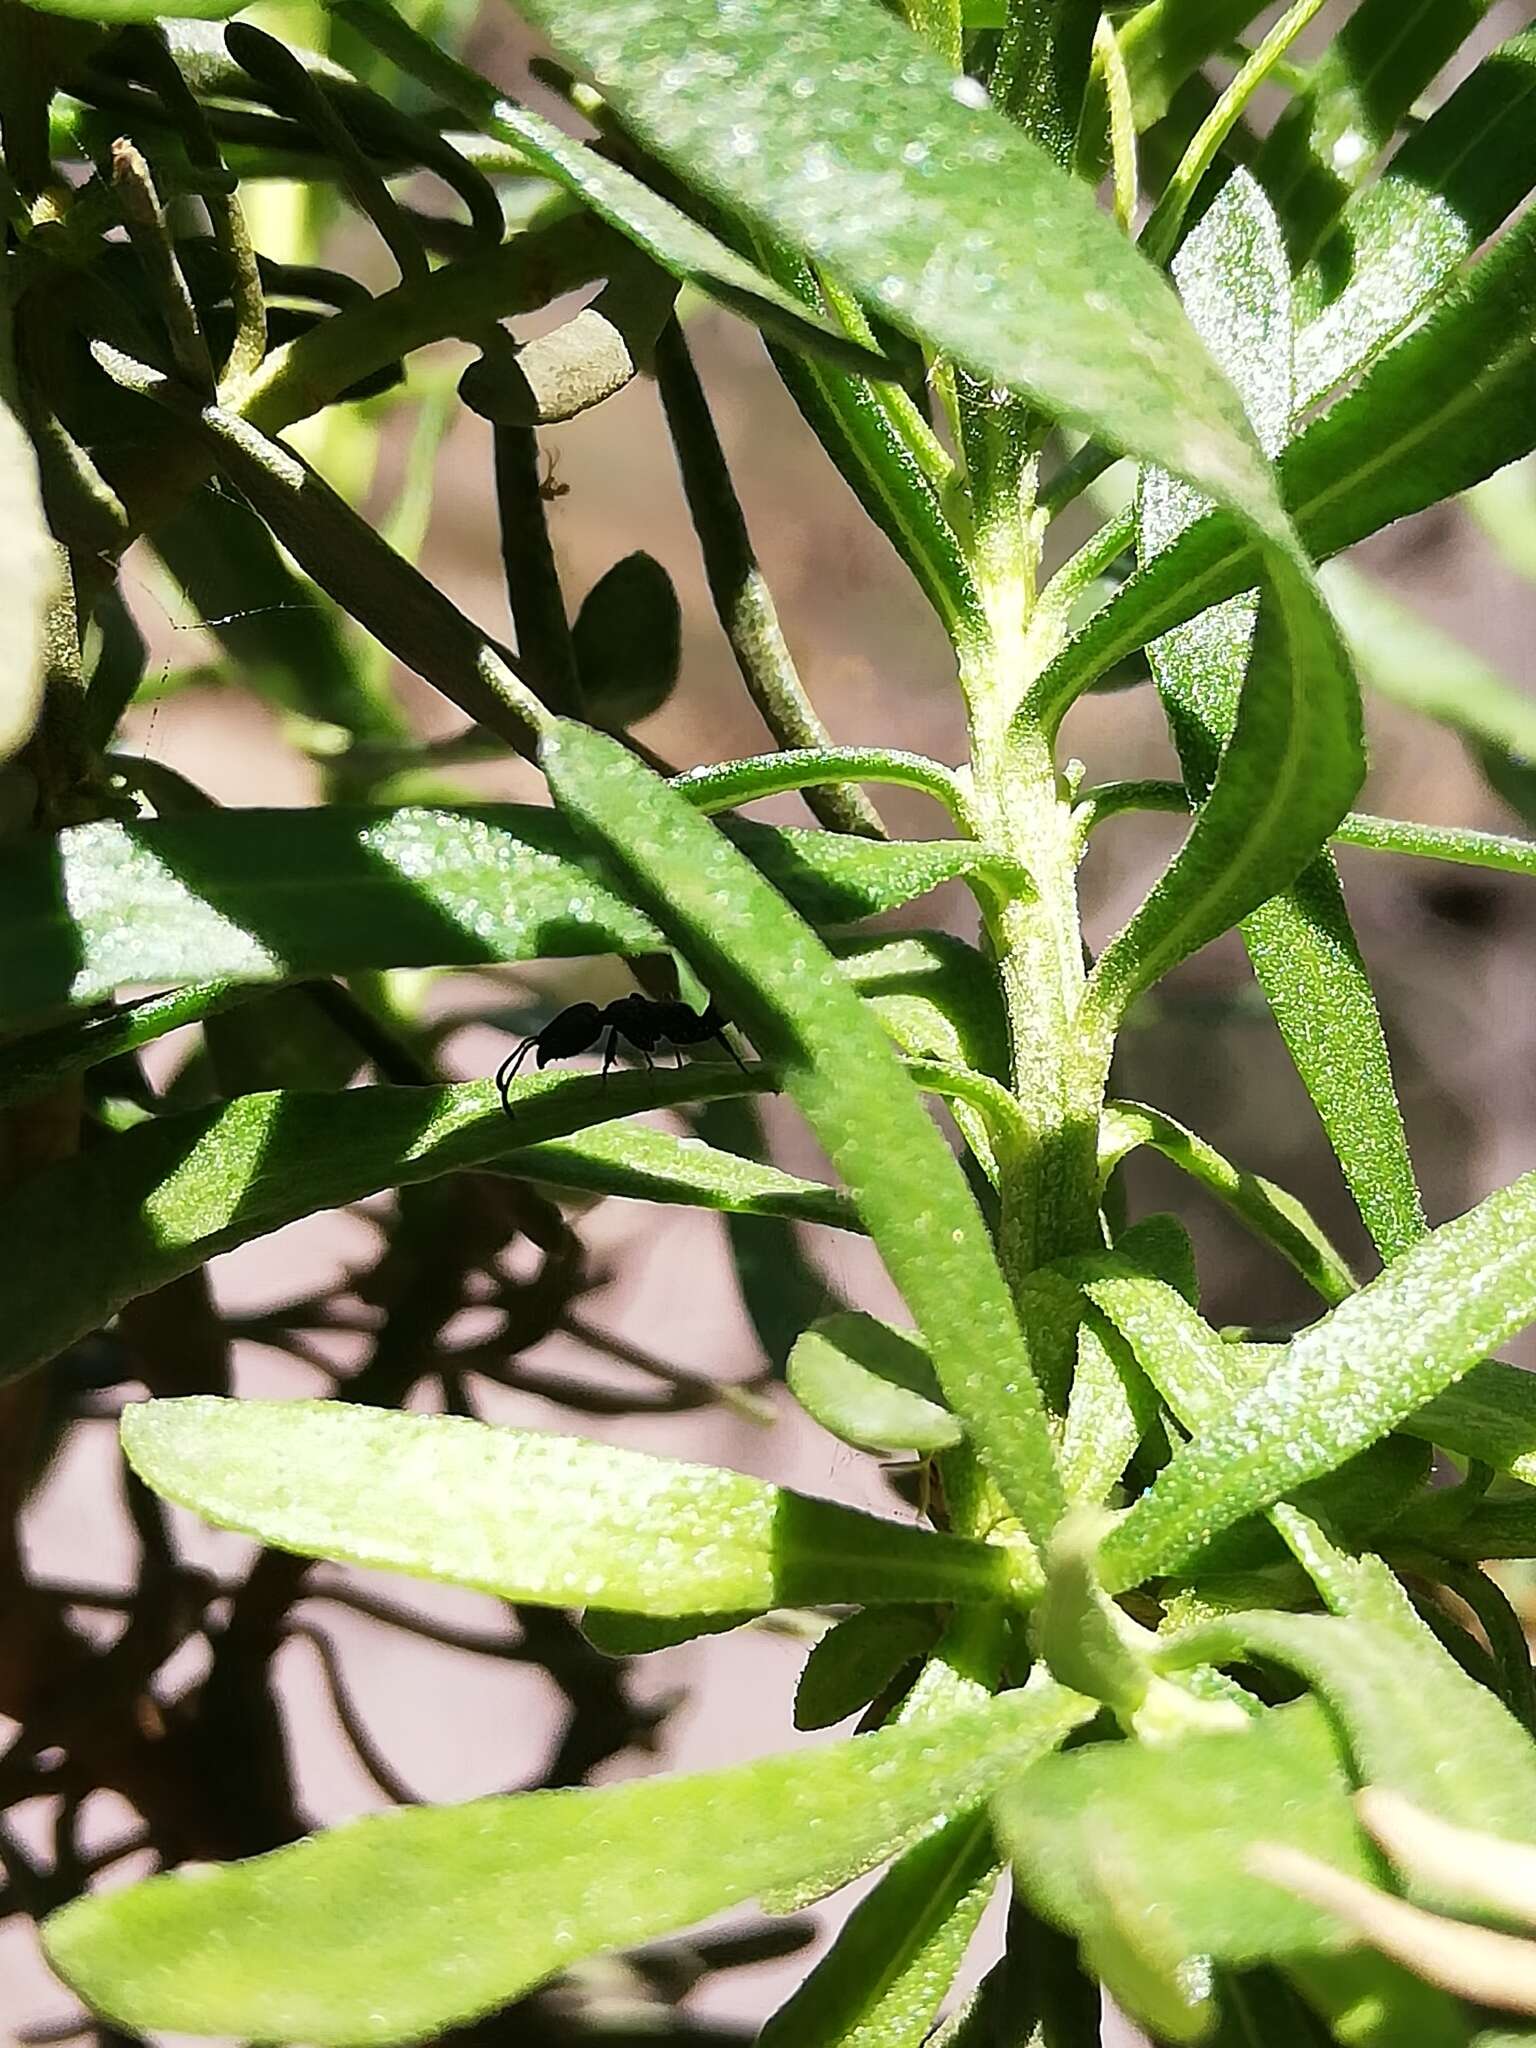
[(370, 1690)]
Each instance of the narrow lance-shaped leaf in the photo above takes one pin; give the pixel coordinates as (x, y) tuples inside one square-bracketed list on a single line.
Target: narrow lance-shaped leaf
[(1327, 140), (857, 1659), (1240, 760), (773, 974), (547, 1519), (29, 575), (1447, 406), (343, 1939), (1235, 282), (1401, 241), (261, 896), (841, 135), (882, 1981), (157, 1201), (631, 1160), (1456, 1295), (1265, 1209), (1200, 1377)]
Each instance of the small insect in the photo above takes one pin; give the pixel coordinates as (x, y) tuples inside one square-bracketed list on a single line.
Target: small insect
[(639, 1021)]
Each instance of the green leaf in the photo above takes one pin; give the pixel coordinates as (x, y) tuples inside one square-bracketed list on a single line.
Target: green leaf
[(846, 138), (1113, 1404), (940, 1000), (644, 1165), (666, 234), (122, 11), (1163, 44), (1265, 1209), (1403, 656), (29, 577), (857, 1659), (936, 995), (882, 1981), (275, 895), (637, 1635), (157, 1201), (1402, 240), (1040, 75), (842, 136), (1395, 1692), (871, 1386), (547, 1519), (1235, 281), (1242, 757), (1451, 403), (1307, 961), (773, 975), (1143, 1852), (1349, 1379), (1200, 1378), (1489, 1415), (1326, 142), (628, 640), (340, 1940)]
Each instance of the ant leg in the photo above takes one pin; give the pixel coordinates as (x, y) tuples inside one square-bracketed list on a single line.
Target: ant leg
[(610, 1051), (677, 1054), (506, 1073)]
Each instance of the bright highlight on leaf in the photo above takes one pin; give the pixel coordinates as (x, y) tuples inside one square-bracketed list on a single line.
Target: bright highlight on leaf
[(547, 1519)]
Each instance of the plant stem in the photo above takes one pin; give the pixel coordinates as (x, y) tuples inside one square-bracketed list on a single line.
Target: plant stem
[(1049, 1186)]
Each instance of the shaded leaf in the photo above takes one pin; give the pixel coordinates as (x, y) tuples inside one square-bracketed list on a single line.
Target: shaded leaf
[(1402, 240), (157, 1201), (645, 1165), (668, 236), (1447, 406), (275, 895), (857, 1659), (1235, 281), (1327, 140), (881, 1982)]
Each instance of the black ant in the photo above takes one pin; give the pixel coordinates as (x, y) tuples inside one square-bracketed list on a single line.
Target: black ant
[(642, 1021)]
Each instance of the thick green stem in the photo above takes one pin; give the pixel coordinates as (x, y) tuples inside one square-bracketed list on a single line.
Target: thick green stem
[(1050, 1193), (1049, 1186)]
